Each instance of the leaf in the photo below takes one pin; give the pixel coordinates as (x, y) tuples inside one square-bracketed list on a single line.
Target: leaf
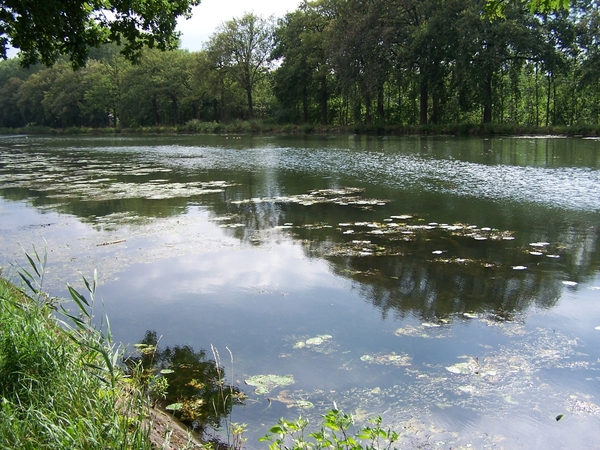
[(174, 406)]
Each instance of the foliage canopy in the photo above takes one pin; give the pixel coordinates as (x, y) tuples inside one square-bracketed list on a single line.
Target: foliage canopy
[(44, 30)]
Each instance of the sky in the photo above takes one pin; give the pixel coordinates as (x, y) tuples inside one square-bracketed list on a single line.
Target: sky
[(211, 13)]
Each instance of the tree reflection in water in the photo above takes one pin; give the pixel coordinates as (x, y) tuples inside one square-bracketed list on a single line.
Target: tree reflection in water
[(195, 382)]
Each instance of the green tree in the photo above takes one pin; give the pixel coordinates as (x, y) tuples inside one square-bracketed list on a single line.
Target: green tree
[(10, 116), (44, 30), (104, 90), (486, 47), (62, 102), (242, 47), (497, 8), (31, 96), (304, 67)]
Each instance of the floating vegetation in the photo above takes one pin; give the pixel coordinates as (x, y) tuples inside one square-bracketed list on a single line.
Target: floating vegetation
[(344, 196), (313, 342), (506, 327), (321, 343), (399, 228), (500, 382), (232, 225), (266, 383), (110, 221), (471, 366), (119, 241), (391, 359), (577, 406), (225, 218), (293, 400), (426, 330), (97, 179)]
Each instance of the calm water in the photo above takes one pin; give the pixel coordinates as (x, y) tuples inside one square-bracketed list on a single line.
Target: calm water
[(450, 285)]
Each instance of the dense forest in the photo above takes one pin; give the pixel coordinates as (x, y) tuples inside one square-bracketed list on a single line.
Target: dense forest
[(335, 62)]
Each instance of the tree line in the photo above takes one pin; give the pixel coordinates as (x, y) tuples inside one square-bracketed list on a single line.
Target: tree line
[(335, 62)]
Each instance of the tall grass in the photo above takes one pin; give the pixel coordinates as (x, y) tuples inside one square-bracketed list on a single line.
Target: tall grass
[(61, 384)]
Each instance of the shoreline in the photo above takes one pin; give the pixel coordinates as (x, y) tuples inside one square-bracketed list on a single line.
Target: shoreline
[(260, 128)]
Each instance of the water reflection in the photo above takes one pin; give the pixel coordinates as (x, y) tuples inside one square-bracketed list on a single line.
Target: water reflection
[(342, 206), (435, 267), (196, 384)]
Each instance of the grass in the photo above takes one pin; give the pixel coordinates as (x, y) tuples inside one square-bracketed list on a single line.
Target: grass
[(61, 385), (258, 127)]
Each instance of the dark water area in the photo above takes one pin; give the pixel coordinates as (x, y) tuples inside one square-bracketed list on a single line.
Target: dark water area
[(450, 285)]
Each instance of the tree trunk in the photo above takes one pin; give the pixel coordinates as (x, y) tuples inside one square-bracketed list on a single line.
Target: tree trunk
[(548, 102), (537, 99), (380, 108), (196, 109), (435, 109), (222, 105), (175, 104), (155, 110), (487, 100), (304, 105), (250, 105), (423, 103), (368, 116), (324, 101)]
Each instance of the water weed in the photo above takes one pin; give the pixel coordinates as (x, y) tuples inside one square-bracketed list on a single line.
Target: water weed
[(337, 431)]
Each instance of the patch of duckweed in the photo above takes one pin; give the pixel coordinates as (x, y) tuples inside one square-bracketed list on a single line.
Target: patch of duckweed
[(313, 342), (426, 330), (345, 196), (582, 407), (391, 359), (372, 238), (266, 383), (322, 343), (113, 221), (293, 400), (468, 367), (506, 327), (95, 179), (501, 379)]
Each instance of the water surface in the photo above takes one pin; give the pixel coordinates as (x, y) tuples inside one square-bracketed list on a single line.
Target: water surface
[(450, 285)]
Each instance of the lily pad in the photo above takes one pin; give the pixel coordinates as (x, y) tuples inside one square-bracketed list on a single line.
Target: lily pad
[(391, 359), (291, 400), (314, 341), (265, 383), (174, 406), (539, 244), (464, 368), (426, 330)]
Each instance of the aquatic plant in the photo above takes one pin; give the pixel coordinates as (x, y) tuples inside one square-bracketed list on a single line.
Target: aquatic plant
[(63, 385), (336, 431)]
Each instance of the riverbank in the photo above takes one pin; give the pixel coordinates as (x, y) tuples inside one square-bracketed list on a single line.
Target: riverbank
[(259, 127), (62, 387)]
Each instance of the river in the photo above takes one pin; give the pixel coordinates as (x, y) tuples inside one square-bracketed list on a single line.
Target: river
[(450, 285)]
